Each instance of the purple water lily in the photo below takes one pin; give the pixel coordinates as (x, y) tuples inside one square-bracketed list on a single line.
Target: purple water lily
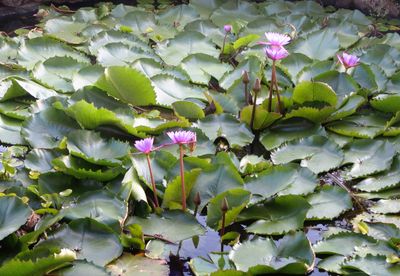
[(145, 145), (348, 60), (276, 40), (182, 137), (275, 53)]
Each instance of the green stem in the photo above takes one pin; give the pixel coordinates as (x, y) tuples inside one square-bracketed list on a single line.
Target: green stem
[(153, 183), (182, 178)]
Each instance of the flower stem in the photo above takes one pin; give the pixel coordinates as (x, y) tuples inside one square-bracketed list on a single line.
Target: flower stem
[(223, 44), (256, 89), (271, 87), (275, 83), (153, 183), (181, 150), (253, 114), (246, 94), (223, 230)]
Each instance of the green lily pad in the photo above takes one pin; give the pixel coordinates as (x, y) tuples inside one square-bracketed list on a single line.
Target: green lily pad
[(277, 216), (282, 180), (88, 238), (14, 214), (317, 153), (329, 202), (93, 148), (129, 264), (173, 226), (293, 255)]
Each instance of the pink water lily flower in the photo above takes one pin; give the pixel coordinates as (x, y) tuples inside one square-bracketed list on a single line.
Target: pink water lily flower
[(145, 145), (182, 137), (275, 53), (276, 40), (348, 60)]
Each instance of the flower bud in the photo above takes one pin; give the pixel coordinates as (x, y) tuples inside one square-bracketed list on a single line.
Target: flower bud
[(257, 86), (245, 77), (197, 199), (228, 28), (224, 205)]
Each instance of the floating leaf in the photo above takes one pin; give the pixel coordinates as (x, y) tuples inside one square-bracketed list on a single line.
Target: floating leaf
[(93, 148), (89, 239), (319, 45), (368, 157), (183, 45), (39, 160), (288, 130), (42, 48), (57, 72), (329, 202), (170, 89), (216, 262), (10, 131), (317, 153), (360, 126), (119, 54), (282, 180), (173, 226), (312, 114), (342, 83), (308, 91), (188, 110), (128, 85), (101, 206), (82, 268), (82, 169), (14, 214), (292, 255), (129, 264), (277, 216), (386, 206), (226, 126), (385, 180), (37, 262), (200, 68), (372, 265), (47, 128)]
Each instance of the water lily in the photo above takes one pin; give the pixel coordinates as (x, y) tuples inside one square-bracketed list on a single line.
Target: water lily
[(181, 138), (276, 40), (348, 60), (275, 53), (146, 146)]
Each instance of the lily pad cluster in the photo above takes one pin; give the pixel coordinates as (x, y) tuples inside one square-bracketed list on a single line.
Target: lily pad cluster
[(79, 90)]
